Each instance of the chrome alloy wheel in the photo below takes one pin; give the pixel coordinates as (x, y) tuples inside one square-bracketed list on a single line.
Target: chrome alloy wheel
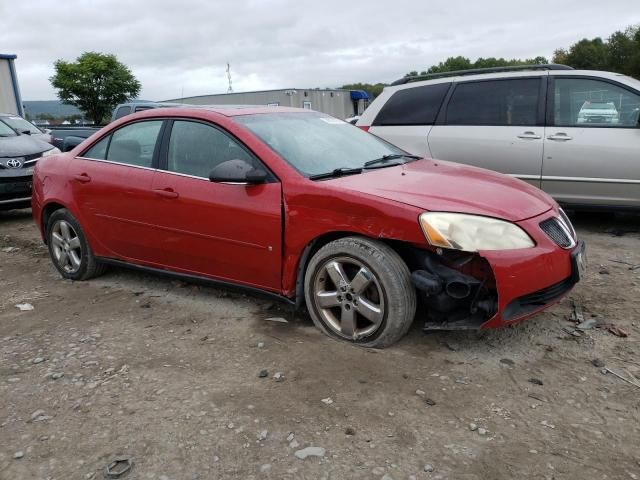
[(348, 297), (67, 249)]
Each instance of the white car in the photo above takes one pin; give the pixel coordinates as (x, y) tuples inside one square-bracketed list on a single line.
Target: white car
[(573, 133)]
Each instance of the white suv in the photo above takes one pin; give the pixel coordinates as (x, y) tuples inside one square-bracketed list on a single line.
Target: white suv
[(573, 133)]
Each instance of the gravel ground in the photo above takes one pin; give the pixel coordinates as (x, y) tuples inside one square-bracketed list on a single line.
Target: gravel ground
[(169, 375)]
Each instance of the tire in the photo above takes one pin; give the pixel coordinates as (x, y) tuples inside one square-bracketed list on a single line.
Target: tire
[(359, 290), (68, 248)]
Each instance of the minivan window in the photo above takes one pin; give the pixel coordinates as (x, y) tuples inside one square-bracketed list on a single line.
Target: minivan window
[(121, 112), (413, 106), (580, 102), (495, 102), (134, 144), (196, 149)]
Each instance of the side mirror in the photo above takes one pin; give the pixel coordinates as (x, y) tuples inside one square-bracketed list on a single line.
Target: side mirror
[(237, 171), (25, 132)]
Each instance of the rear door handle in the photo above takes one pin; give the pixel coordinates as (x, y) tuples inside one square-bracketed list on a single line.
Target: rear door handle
[(530, 135), (82, 178), (166, 192), (560, 137)]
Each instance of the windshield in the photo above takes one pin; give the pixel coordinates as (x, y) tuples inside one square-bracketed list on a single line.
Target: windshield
[(5, 130), (20, 124), (314, 143)]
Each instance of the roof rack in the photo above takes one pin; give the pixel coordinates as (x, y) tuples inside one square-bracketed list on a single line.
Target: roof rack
[(476, 71)]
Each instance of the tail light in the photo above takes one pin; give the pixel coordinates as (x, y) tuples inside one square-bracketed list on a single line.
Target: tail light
[(364, 127)]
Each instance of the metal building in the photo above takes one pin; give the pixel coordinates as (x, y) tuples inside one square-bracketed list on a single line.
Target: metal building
[(338, 103), (10, 101)]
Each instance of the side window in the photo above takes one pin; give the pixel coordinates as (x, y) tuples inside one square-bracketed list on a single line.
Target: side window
[(413, 106), (134, 144), (121, 112), (142, 108), (196, 149), (99, 150), (495, 102), (581, 102)]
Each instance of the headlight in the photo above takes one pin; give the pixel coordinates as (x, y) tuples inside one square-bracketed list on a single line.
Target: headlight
[(51, 151), (471, 233)]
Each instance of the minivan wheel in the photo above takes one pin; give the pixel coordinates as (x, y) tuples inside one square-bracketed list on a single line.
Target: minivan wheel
[(68, 248), (359, 290)]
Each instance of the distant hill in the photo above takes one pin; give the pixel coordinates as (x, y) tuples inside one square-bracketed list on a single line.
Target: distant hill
[(50, 107)]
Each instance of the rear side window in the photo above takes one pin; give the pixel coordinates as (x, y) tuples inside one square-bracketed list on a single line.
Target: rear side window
[(413, 106), (134, 144), (121, 112), (495, 102)]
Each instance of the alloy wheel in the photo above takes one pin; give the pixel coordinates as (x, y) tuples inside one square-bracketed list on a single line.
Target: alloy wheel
[(67, 249), (348, 297)]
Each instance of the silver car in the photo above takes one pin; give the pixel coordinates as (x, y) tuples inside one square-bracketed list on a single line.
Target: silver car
[(573, 133)]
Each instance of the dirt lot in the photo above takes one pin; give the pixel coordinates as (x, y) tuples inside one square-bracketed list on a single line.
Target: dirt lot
[(168, 374)]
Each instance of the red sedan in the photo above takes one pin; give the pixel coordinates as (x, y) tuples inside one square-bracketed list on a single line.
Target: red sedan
[(312, 210)]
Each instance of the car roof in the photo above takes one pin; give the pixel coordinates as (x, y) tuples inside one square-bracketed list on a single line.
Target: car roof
[(226, 110)]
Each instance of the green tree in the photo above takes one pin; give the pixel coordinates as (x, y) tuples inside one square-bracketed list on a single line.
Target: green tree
[(95, 83)]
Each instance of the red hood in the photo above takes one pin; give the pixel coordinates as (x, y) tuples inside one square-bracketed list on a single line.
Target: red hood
[(450, 187)]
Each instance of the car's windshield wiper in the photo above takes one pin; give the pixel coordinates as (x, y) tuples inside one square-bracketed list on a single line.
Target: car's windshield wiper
[(336, 172), (387, 158)]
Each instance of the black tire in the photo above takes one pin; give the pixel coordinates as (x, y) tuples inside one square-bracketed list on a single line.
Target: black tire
[(390, 284), (88, 267)]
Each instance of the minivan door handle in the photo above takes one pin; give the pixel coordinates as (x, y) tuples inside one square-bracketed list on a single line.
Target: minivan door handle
[(531, 135), (166, 192), (560, 137)]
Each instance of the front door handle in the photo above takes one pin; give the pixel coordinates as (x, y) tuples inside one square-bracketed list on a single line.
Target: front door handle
[(166, 192), (530, 135), (560, 137), (82, 178)]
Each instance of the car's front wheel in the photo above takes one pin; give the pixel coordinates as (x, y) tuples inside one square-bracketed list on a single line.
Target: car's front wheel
[(359, 290), (68, 247)]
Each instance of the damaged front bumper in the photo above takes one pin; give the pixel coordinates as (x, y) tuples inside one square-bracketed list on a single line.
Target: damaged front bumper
[(491, 289)]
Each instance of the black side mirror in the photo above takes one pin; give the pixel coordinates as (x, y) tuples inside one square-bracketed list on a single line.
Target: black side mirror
[(25, 132), (237, 171)]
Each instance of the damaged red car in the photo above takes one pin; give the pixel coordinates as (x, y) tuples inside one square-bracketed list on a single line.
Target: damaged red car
[(309, 209)]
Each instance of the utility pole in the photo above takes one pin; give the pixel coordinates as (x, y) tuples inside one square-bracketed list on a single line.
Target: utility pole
[(230, 89)]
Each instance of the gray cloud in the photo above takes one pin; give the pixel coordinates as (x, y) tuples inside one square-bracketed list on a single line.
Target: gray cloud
[(183, 46)]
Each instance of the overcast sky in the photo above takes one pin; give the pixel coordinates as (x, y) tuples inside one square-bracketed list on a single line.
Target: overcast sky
[(181, 47)]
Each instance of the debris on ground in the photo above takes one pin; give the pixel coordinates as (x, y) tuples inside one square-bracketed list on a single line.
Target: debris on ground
[(578, 315), (507, 361), (429, 402), (118, 467), (278, 377), (606, 370), (536, 381), (473, 427), (310, 452), (276, 319), (588, 324), (263, 374), (18, 455), (598, 362), (24, 307), (428, 468), (349, 431), (617, 331), (263, 435), (9, 249), (572, 331), (327, 401)]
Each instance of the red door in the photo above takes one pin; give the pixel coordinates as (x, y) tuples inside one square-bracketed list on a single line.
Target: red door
[(111, 184), (228, 231)]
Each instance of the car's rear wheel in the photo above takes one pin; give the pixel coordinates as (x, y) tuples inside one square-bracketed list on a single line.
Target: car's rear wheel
[(359, 290), (68, 248)]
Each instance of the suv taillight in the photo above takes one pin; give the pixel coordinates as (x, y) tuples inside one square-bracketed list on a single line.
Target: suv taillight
[(364, 127)]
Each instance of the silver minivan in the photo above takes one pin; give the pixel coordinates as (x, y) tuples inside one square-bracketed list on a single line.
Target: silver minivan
[(573, 133)]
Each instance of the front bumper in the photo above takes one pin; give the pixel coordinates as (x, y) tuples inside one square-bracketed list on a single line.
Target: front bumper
[(528, 281), (503, 287), (15, 188)]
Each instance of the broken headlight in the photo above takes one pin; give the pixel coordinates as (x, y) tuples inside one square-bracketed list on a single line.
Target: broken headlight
[(472, 233)]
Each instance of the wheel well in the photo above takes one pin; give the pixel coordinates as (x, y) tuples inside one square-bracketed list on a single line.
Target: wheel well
[(47, 211), (403, 249)]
